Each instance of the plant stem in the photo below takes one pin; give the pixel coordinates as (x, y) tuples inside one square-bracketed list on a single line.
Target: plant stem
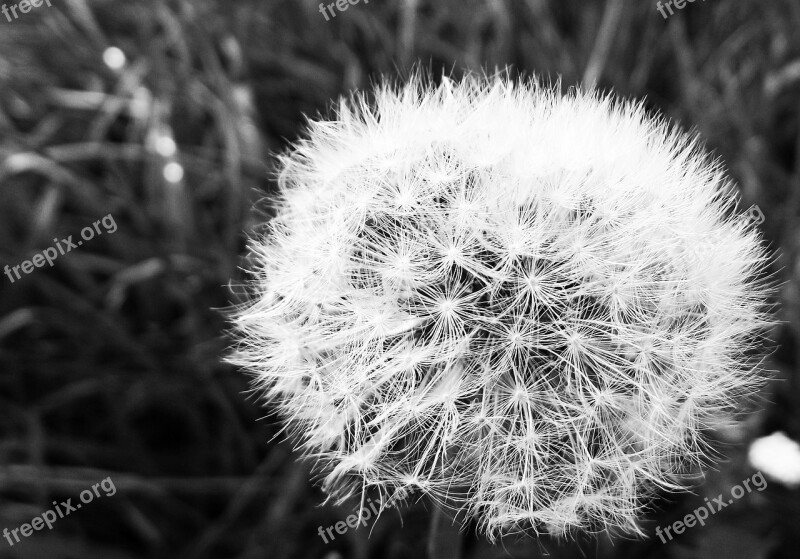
[(444, 538)]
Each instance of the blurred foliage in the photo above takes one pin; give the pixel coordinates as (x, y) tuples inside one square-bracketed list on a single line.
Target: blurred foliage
[(110, 361)]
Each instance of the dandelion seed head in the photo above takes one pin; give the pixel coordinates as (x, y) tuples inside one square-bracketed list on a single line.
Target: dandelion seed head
[(494, 294)]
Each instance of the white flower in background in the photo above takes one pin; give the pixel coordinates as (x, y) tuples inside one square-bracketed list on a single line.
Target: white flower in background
[(778, 456), (526, 305)]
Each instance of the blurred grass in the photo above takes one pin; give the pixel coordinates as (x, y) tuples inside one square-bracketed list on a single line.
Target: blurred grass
[(110, 360)]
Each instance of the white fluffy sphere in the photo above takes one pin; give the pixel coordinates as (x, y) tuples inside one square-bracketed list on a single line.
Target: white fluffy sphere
[(527, 305)]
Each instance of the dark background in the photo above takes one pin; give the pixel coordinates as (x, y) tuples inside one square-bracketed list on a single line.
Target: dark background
[(110, 361)]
